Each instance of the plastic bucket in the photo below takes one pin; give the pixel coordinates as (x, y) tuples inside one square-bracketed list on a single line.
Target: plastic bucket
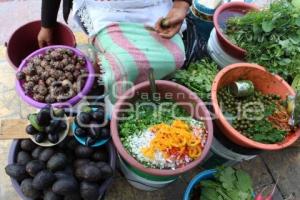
[(141, 180), (166, 90), (217, 53), (263, 81), (206, 175), (15, 148), (221, 155), (24, 41)]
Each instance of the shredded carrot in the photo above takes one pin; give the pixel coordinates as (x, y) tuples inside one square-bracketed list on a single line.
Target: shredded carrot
[(280, 118), (177, 139)]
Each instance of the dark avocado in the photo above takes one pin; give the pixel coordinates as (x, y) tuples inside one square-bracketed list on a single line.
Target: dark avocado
[(88, 172), (99, 115), (105, 133), (75, 196), (23, 158), (62, 126), (57, 162), (28, 145), (89, 141), (40, 137), (31, 130), (62, 175), (83, 152), (46, 154), (77, 163), (106, 171), (100, 164), (34, 167), (53, 137), (100, 155), (65, 186), (50, 195), (44, 117), (80, 132), (83, 118), (43, 180), (54, 124), (16, 171), (28, 190), (36, 152), (89, 191)]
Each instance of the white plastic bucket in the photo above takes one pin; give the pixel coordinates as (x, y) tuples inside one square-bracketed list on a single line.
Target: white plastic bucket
[(140, 182), (221, 155), (216, 52)]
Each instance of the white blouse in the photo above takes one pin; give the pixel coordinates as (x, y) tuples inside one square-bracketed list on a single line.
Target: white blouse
[(94, 15)]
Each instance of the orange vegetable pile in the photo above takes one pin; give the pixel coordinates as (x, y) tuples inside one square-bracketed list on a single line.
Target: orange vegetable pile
[(176, 140)]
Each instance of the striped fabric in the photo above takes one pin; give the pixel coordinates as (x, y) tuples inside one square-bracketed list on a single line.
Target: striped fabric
[(129, 50)]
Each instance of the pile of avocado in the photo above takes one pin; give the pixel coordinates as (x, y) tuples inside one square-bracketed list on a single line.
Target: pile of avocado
[(47, 124), (91, 125), (68, 171)]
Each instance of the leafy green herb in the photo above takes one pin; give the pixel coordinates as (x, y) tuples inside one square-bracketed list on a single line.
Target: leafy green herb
[(250, 115), (145, 114), (198, 77), (229, 184), (271, 37)]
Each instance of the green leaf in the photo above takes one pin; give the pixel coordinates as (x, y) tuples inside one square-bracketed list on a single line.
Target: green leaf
[(296, 3), (297, 22), (267, 26), (244, 182)]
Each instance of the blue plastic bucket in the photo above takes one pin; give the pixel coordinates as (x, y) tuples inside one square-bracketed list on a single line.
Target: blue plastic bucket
[(205, 175)]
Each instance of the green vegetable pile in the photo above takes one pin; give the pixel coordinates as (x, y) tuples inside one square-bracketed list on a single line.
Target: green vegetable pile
[(271, 37), (144, 115), (198, 77), (229, 184), (249, 115)]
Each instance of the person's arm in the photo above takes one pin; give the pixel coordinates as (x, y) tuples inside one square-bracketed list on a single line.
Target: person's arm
[(48, 20), (49, 12), (174, 19)]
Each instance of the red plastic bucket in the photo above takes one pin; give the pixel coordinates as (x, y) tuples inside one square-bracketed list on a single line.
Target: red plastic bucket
[(24, 41), (221, 16)]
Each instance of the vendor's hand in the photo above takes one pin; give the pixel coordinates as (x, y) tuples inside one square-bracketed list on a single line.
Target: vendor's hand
[(173, 21), (45, 37)]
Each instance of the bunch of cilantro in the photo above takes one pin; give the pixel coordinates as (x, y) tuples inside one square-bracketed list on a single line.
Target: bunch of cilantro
[(198, 77), (229, 184), (271, 37)]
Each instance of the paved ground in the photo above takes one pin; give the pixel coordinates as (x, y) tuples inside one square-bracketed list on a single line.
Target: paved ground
[(265, 169)]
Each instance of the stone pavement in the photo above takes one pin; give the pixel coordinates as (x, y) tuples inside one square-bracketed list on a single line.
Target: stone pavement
[(265, 169)]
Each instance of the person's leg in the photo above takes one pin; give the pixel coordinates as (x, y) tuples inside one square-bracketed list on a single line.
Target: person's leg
[(130, 50)]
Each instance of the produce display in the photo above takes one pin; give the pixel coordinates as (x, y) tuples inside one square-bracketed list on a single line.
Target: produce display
[(55, 76), (68, 171), (47, 125), (89, 124), (162, 135), (271, 37), (261, 117), (198, 77), (228, 184)]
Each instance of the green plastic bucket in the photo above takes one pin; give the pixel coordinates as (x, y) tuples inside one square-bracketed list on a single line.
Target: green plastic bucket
[(141, 180)]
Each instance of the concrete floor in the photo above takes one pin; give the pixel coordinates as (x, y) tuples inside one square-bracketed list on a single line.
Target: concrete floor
[(265, 169)]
